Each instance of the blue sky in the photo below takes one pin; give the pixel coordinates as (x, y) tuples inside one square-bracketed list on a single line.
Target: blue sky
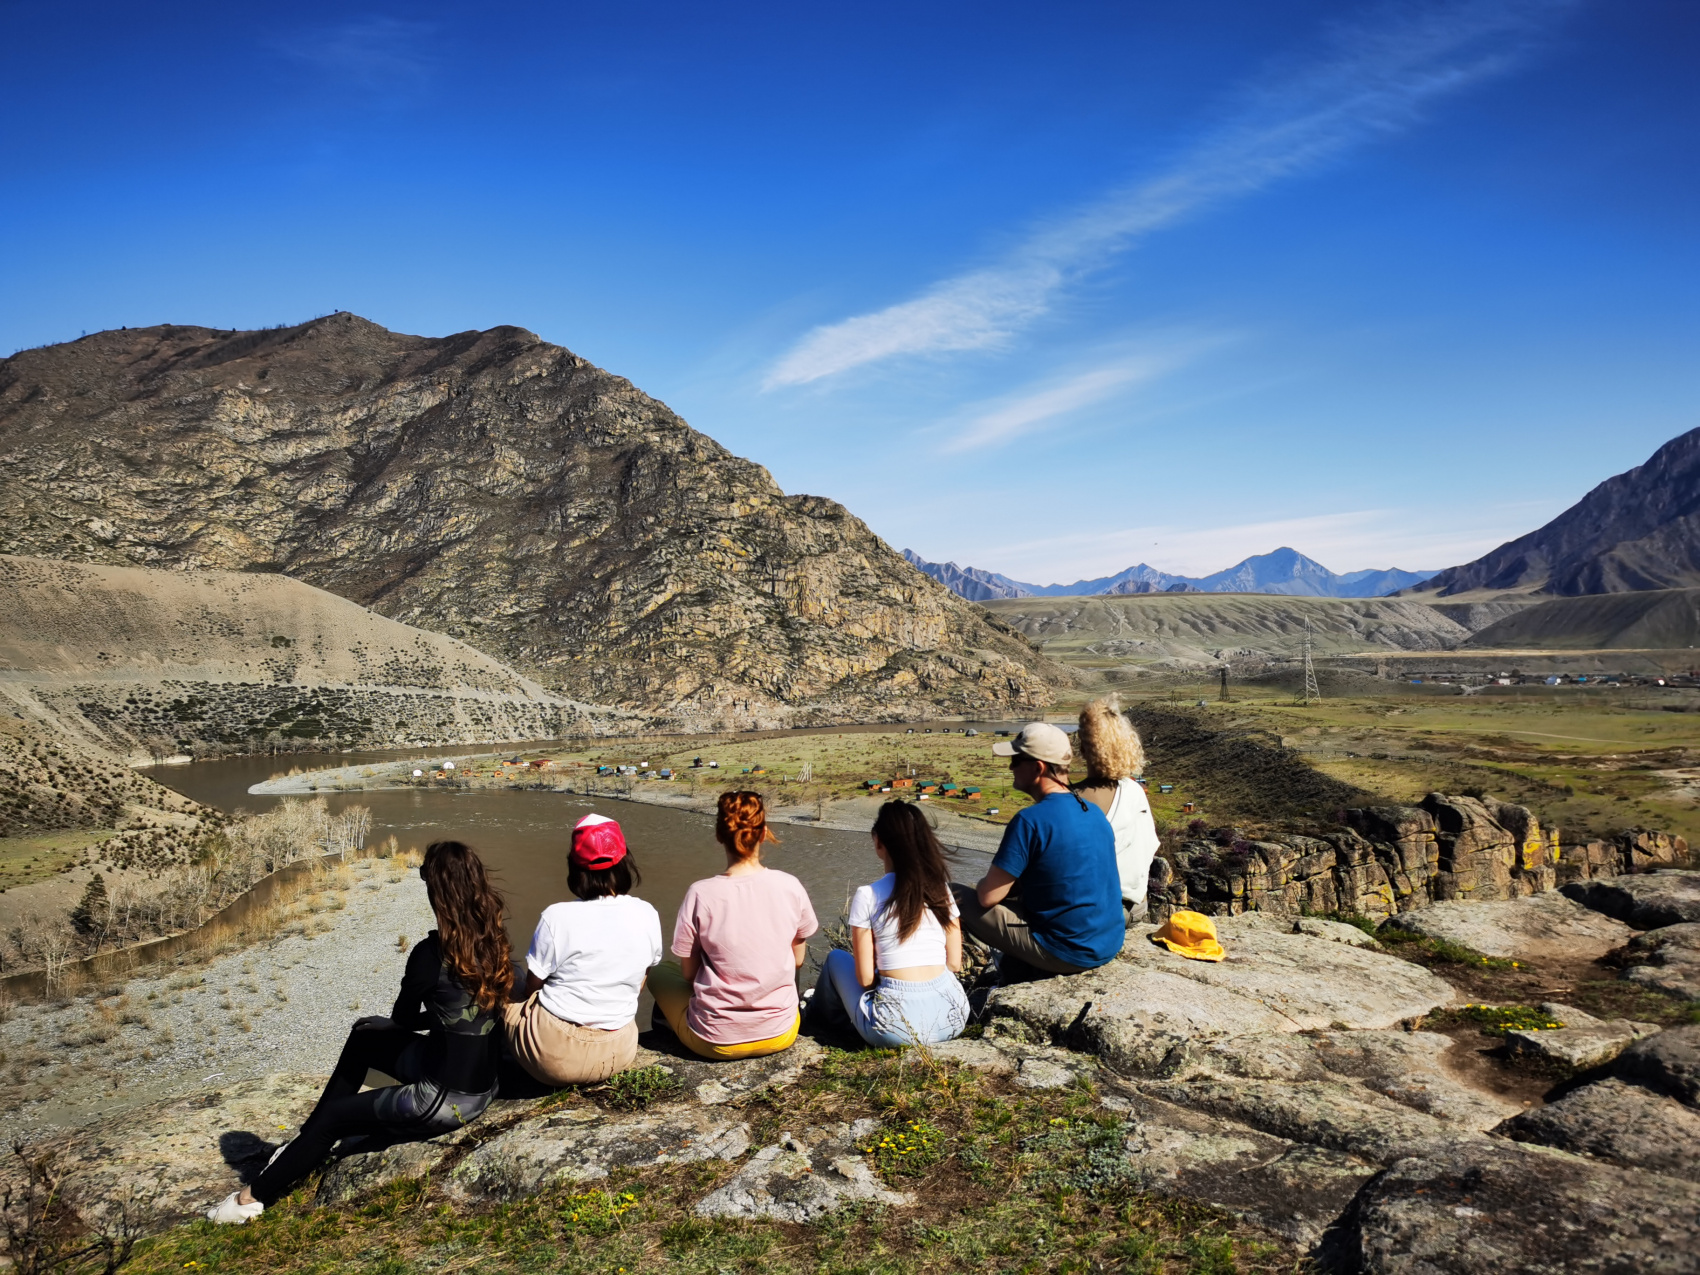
[(1048, 289)]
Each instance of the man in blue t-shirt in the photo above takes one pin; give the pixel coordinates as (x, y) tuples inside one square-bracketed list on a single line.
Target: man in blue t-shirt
[(1066, 917)]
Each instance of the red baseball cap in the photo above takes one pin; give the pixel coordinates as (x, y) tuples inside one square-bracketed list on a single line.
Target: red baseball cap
[(597, 843)]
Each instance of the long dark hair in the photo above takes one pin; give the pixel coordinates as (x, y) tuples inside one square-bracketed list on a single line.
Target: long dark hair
[(922, 879), (469, 921), (741, 824)]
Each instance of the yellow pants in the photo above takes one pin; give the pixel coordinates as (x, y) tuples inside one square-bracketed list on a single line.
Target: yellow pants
[(673, 996)]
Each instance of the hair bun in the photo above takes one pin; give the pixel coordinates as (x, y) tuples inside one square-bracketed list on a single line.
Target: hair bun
[(741, 825)]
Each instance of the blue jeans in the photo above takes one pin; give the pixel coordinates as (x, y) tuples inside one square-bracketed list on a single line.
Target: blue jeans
[(893, 1011)]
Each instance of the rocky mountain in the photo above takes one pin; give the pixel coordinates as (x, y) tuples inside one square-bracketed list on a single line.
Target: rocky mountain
[(1638, 530), (1284, 571), (496, 488)]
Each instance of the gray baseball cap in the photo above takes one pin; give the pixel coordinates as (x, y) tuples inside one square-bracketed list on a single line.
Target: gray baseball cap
[(1040, 741)]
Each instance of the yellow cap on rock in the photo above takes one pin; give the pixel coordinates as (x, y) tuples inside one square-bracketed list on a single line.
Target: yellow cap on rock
[(1190, 934)]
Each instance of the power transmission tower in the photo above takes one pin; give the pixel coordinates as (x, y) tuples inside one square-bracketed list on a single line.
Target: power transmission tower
[(1311, 692), (1224, 672)]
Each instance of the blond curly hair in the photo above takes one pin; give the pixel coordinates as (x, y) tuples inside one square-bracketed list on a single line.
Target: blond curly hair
[(1108, 742)]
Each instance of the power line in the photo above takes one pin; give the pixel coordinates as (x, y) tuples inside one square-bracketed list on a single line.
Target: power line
[(1311, 691)]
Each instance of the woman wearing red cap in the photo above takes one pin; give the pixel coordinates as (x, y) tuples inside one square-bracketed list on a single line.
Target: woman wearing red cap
[(578, 1022)]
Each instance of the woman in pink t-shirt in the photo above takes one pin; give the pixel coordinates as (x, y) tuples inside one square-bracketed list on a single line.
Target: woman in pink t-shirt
[(740, 938)]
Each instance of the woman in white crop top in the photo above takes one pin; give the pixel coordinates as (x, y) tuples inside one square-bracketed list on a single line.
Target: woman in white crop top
[(897, 985)]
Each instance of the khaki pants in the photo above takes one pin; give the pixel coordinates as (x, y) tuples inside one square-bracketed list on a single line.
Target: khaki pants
[(557, 1052), (1003, 928)]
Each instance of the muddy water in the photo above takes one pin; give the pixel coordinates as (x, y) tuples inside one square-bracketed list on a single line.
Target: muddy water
[(522, 836)]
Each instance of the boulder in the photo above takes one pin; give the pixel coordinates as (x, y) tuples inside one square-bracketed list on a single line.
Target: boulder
[(1669, 1061), (1584, 1042), (1138, 1009), (1486, 1206), (1623, 1123), (584, 1144), (1539, 927), (1646, 901), (803, 1179), (1670, 960)]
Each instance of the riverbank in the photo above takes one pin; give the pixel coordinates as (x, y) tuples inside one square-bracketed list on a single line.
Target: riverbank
[(282, 1004)]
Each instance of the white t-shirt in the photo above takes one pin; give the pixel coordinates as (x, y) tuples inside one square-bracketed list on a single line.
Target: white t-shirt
[(924, 947), (592, 955), (1136, 840)]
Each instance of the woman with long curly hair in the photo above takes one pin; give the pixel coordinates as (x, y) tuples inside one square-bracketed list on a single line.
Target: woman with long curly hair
[(740, 938), (1114, 754), (897, 984), (457, 980)]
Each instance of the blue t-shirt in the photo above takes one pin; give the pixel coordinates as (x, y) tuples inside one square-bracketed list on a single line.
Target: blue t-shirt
[(1063, 858)]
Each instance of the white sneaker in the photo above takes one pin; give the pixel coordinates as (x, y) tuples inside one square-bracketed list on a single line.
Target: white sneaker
[(228, 1212)]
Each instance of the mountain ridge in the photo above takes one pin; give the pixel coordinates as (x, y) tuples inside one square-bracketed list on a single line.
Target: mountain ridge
[(496, 488), (1635, 531), (1283, 571)]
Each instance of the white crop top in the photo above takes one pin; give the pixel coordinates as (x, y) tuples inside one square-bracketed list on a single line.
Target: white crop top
[(924, 947)]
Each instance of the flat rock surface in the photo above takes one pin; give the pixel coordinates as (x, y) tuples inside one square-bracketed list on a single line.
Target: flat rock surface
[(804, 1178), (1669, 1061), (1623, 1123), (1290, 1189), (1540, 927), (1136, 1010), (582, 1144), (1486, 1206), (1647, 901), (1582, 1043), (173, 1160), (1335, 931), (1668, 960)]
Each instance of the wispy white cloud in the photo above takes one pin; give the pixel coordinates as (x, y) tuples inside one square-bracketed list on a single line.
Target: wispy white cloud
[(373, 55), (1035, 406), (1369, 79)]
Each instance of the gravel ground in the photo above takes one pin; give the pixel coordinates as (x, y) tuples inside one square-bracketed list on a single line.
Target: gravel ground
[(284, 1004)]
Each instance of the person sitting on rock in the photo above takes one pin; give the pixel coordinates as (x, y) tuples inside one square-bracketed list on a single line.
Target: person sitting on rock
[(1067, 916), (896, 984), (740, 938), (456, 978), (578, 1021), (1113, 754)]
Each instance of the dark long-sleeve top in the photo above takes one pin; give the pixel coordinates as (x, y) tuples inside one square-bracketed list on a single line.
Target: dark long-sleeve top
[(460, 1052)]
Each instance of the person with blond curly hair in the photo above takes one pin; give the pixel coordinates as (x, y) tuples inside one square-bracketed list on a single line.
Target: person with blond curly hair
[(1113, 754), (740, 938)]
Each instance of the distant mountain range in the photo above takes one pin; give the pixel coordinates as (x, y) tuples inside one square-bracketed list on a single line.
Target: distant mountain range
[(1639, 530), (1284, 571)]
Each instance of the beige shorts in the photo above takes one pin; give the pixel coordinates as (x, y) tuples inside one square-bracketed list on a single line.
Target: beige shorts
[(557, 1052)]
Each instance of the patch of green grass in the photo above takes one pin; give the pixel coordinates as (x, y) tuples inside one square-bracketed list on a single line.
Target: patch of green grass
[(635, 1089), (1005, 1180), (1439, 951), (1496, 1020)]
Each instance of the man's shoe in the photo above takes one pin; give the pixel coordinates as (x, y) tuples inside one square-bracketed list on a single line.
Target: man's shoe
[(228, 1212)]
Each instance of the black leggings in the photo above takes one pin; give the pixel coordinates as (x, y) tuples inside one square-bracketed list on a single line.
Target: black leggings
[(417, 1108)]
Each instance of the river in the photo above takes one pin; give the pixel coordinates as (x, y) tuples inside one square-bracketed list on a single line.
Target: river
[(523, 835)]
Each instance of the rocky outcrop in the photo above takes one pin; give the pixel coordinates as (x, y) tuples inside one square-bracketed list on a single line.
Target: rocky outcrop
[(804, 1179), (1621, 1123), (1487, 1206), (1389, 860), (1671, 957), (1669, 1061), (1647, 902), (1540, 927), (496, 488)]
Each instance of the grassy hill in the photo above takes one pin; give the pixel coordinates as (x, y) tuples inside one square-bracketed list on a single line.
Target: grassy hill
[(1660, 619), (158, 662)]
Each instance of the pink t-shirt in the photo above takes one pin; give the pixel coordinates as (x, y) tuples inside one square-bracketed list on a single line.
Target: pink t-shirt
[(741, 930)]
